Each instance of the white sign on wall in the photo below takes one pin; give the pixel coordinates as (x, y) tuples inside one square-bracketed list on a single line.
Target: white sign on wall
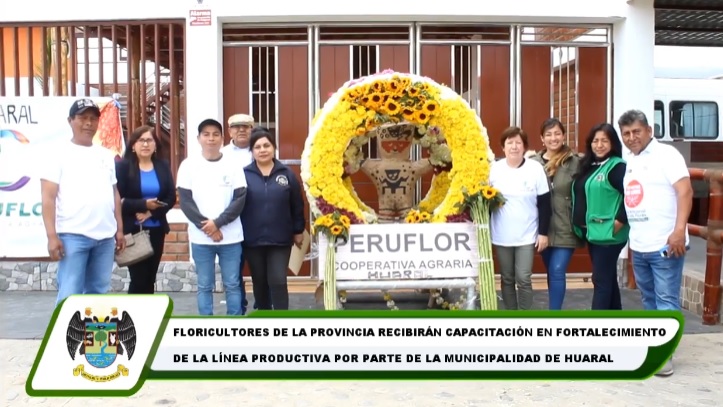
[(405, 252), (29, 128)]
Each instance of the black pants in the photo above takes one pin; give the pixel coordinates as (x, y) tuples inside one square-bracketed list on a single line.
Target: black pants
[(606, 292), (143, 274), (269, 265)]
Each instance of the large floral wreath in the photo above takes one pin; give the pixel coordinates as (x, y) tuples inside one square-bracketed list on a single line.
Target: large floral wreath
[(446, 126)]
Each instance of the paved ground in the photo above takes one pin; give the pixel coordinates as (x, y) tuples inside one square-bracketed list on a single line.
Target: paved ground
[(25, 314), (697, 382)]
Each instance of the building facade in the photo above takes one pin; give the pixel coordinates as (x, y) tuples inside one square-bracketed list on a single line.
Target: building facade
[(517, 62)]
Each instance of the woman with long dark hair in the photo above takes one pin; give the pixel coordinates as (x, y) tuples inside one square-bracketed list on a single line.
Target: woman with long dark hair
[(599, 212), (148, 192), (561, 165)]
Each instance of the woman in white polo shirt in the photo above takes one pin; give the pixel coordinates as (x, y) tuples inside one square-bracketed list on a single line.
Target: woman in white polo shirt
[(520, 226)]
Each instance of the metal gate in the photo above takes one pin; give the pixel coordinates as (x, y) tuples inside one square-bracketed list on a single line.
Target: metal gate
[(510, 74)]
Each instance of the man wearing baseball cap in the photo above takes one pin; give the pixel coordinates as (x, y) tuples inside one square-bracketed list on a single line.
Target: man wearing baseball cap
[(239, 130), (81, 206)]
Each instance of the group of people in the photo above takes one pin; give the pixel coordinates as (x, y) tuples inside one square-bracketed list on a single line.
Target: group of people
[(558, 201), (243, 206)]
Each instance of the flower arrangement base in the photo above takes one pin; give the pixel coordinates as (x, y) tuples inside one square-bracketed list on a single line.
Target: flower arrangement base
[(467, 284), (424, 256)]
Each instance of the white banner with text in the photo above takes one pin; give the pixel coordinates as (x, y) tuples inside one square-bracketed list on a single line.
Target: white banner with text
[(405, 251), (28, 125)]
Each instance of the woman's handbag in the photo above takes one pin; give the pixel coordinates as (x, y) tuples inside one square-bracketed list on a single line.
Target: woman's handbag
[(138, 248)]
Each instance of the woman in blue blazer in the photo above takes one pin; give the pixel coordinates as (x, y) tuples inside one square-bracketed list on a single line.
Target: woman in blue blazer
[(147, 190)]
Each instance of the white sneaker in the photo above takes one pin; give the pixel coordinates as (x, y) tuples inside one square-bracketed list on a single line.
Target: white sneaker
[(667, 369)]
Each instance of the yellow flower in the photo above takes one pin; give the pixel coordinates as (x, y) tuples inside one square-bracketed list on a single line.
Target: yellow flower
[(345, 221), (488, 192), (419, 102), (408, 113), (375, 101), (392, 107), (421, 117), (430, 107), (336, 230)]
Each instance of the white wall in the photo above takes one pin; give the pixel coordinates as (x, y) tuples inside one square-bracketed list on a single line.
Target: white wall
[(634, 66), (204, 90), (325, 10)]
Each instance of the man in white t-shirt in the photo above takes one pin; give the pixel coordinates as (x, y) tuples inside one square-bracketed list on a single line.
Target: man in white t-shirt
[(239, 130), (81, 207), (212, 191), (658, 200)]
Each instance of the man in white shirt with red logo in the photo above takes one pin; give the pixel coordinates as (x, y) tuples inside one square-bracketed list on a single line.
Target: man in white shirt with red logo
[(658, 200)]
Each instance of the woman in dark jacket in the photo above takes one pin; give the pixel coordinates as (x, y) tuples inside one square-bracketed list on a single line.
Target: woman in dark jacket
[(272, 219), (599, 212), (147, 191), (561, 165)]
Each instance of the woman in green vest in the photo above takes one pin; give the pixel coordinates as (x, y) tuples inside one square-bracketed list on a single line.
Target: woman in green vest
[(599, 212)]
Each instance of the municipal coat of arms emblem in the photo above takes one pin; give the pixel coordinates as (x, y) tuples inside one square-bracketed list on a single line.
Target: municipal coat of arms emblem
[(100, 341)]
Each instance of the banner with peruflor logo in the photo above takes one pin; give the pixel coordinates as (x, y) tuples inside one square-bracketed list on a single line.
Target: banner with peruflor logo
[(109, 345), (28, 127)]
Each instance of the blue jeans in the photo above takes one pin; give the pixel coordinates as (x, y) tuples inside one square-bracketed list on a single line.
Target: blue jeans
[(556, 260), (658, 279), (244, 301), (606, 291), (204, 255), (86, 267)]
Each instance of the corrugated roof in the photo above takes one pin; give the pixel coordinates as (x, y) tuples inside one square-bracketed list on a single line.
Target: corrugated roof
[(689, 23)]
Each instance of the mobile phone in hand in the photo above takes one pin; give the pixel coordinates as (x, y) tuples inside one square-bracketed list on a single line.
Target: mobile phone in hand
[(161, 203), (664, 252)]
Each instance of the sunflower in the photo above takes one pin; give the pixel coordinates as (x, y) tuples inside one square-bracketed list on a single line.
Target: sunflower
[(360, 131), (336, 230), (425, 216), (430, 107), (345, 221), (413, 91), (408, 113), (392, 107), (395, 86), (378, 86), (375, 100), (421, 117), (488, 192)]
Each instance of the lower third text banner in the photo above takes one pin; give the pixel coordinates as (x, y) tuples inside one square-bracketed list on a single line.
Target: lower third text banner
[(108, 345)]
